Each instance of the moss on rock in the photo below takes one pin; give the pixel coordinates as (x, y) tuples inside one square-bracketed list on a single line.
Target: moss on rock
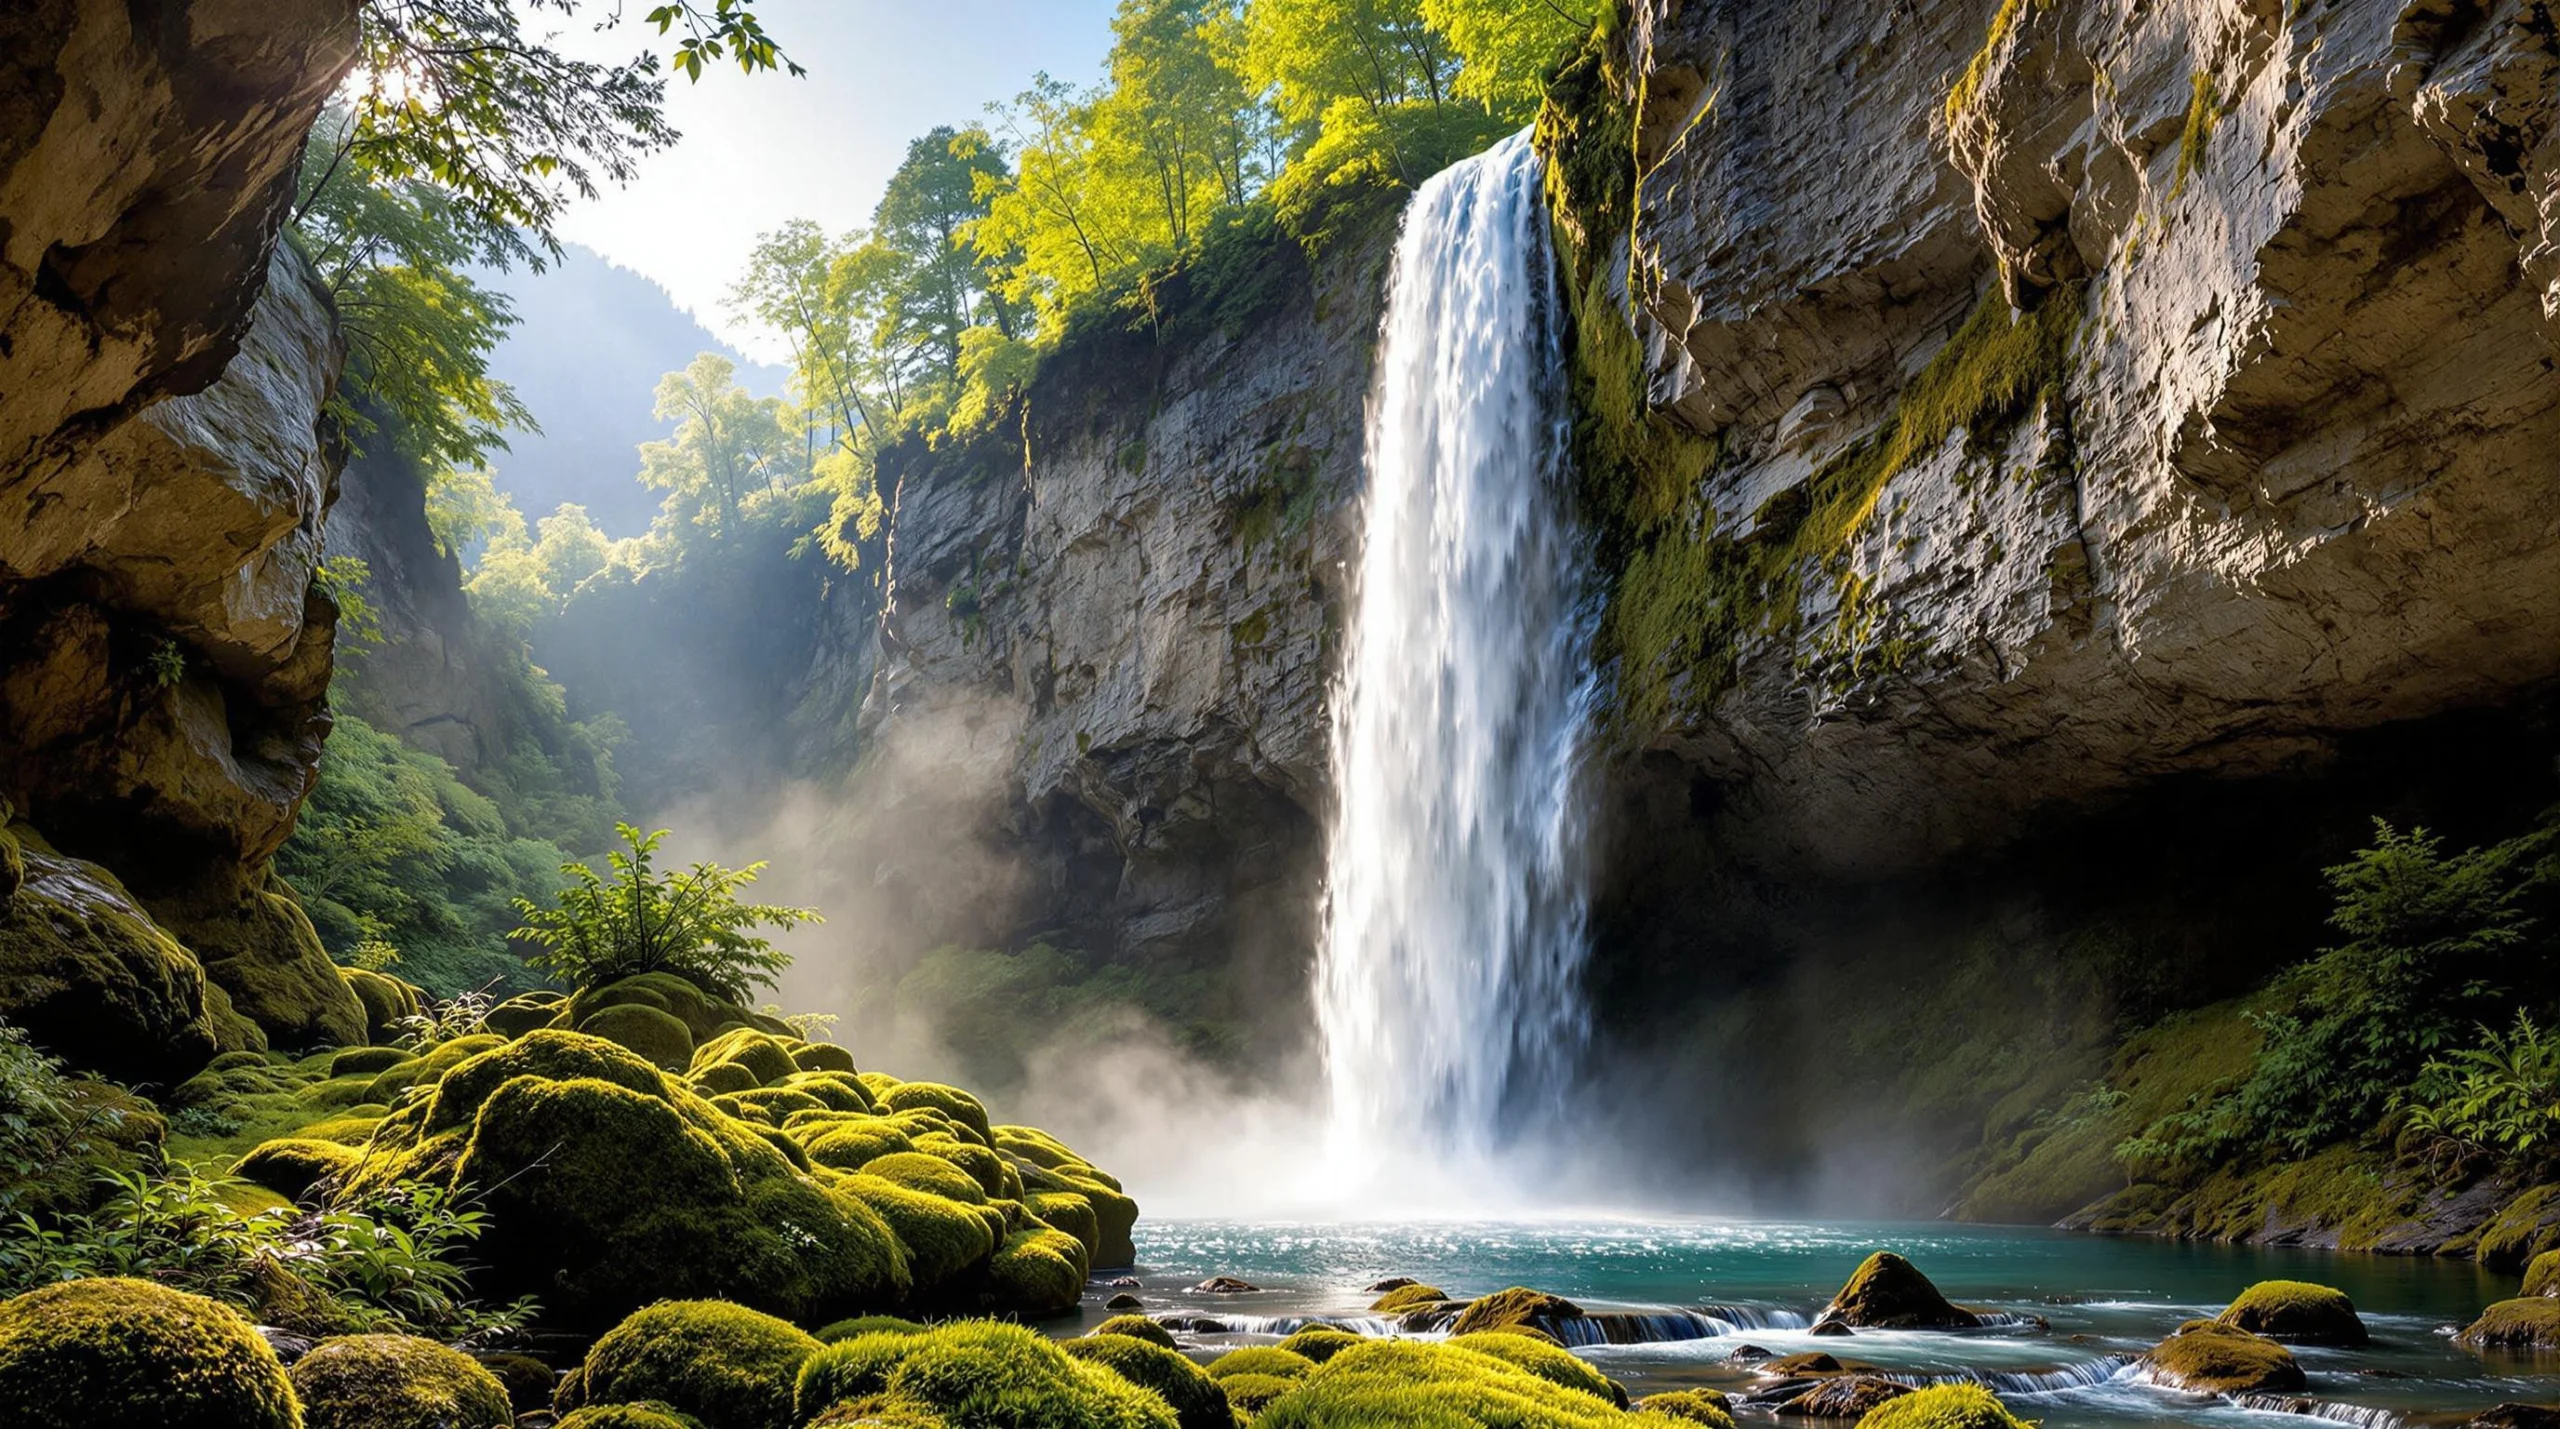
[(1517, 1306), (657, 1036), (128, 1354), (259, 946), (2542, 1277), (1387, 1382), (763, 1055), (822, 1057), (1320, 1342), (1196, 1399), (397, 1382), (946, 1243), (1262, 1359), (2210, 1357), (2528, 1323), (523, 1013), (290, 1166), (1887, 1292), (387, 1002), (1037, 1272), (1137, 1327), (2296, 1312), (1001, 1375), (726, 1365), (530, 1383), (950, 1101), (628, 1416), (1690, 1406), (1407, 1298), (1943, 1406), (92, 978), (1552, 1363), (868, 1325)]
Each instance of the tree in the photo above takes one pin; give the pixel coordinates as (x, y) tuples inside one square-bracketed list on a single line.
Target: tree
[(1313, 52), (727, 446), (1506, 47), (690, 923), (930, 202)]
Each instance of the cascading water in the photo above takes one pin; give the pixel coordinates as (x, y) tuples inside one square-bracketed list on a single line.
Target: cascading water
[(1448, 979)]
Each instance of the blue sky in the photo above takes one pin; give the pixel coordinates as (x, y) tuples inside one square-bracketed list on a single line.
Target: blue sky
[(758, 151)]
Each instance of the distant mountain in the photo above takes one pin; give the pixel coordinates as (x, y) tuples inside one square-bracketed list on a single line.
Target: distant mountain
[(590, 342)]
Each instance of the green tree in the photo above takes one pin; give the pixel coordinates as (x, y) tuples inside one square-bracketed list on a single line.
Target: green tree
[(1310, 53), (728, 446), (690, 923), (1506, 47), (925, 213)]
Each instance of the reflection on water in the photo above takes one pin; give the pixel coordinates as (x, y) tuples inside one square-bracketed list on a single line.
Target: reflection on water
[(1757, 1283)]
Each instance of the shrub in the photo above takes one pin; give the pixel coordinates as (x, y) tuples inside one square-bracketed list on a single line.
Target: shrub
[(1196, 1399), (397, 1382), (728, 1366), (691, 923), (128, 1354), (1003, 1376)]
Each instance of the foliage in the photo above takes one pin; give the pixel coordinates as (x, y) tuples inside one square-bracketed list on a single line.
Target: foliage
[(44, 1123), (728, 448), (2501, 1097), (1507, 50), (167, 664), (690, 923), (464, 1014), (393, 1263), (392, 848), (343, 579)]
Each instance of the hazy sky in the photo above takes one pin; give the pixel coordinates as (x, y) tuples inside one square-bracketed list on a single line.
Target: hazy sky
[(759, 150)]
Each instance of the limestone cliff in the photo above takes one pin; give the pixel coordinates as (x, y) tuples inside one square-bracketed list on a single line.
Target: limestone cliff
[(1107, 632), (164, 469)]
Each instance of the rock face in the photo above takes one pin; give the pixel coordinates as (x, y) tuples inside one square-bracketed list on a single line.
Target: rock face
[(1104, 649), (163, 464), (2289, 477)]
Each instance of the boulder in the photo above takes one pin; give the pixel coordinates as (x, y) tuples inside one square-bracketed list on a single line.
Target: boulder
[(128, 1354), (1514, 1308), (90, 976), (2531, 1323), (255, 942), (1850, 1396), (722, 1364), (397, 1382), (1887, 1292), (2542, 1275), (2296, 1312), (2210, 1357)]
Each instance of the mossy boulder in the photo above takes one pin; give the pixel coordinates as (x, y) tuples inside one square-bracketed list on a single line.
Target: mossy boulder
[(128, 1354), (2210, 1357), (1320, 1342), (822, 1057), (610, 1185), (627, 1416), (88, 974), (1848, 1396), (397, 1382), (763, 1055), (292, 1165), (1689, 1406), (1943, 1406), (723, 1364), (657, 1036), (258, 945), (1388, 1382), (387, 1002), (523, 1013), (1552, 1363), (998, 1375), (1137, 1327), (947, 1243), (1196, 1399), (1407, 1298), (2542, 1276), (1262, 1359), (2296, 1312), (367, 1061), (1887, 1292), (2528, 1323), (1037, 1272), (1513, 1308), (530, 1383), (868, 1325), (950, 1101)]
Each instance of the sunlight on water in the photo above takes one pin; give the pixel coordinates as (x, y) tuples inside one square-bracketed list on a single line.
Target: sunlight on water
[(1447, 987)]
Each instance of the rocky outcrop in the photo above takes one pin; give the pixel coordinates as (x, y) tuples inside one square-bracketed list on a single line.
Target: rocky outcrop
[(1105, 644), (2283, 473), (164, 462)]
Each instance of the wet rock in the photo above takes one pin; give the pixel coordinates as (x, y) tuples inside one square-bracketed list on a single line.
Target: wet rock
[(1831, 1327), (1748, 1354), (2296, 1313), (1226, 1285), (1122, 1282), (2209, 1357), (2516, 1416), (1847, 1397), (1124, 1302), (1392, 1282), (1888, 1292), (287, 1345), (1515, 1308), (1816, 1363), (2522, 1324)]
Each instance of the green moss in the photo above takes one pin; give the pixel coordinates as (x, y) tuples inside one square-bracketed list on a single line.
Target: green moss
[(1320, 1342), (1943, 1406), (428, 1066), (773, 1103), (1551, 1363), (628, 1416), (919, 1171), (396, 1382), (868, 1325), (128, 1354), (2298, 1312), (724, 1078), (2542, 1277), (1887, 1292), (1387, 1382), (725, 1365), (2204, 111), (387, 1002), (1262, 1359), (1196, 1400), (1511, 1308), (761, 1053), (2523, 1228), (2532, 1323), (950, 1101), (993, 1173), (293, 1165), (1690, 1406), (549, 1054), (1406, 1298), (523, 1013), (853, 1142), (1070, 1212), (1137, 1327), (367, 1061), (1968, 86), (990, 1375), (823, 1057), (92, 979), (946, 1242), (1037, 1272), (659, 1036), (530, 1383), (836, 1090), (2209, 1357), (261, 948)]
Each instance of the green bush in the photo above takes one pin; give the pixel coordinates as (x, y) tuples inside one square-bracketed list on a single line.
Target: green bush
[(998, 1376), (128, 1354), (725, 1365), (690, 923), (396, 1382)]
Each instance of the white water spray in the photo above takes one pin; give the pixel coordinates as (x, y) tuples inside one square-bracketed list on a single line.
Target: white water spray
[(1448, 980)]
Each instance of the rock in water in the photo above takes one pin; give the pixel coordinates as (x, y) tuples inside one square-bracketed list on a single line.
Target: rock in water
[(1888, 1292), (1516, 1308), (2297, 1313), (1226, 1285), (2531, 1323), (1848, 1397), (2516, 1416), (2209, 1357)]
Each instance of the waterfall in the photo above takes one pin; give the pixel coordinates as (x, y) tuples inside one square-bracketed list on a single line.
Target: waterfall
[(1448, 978)]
